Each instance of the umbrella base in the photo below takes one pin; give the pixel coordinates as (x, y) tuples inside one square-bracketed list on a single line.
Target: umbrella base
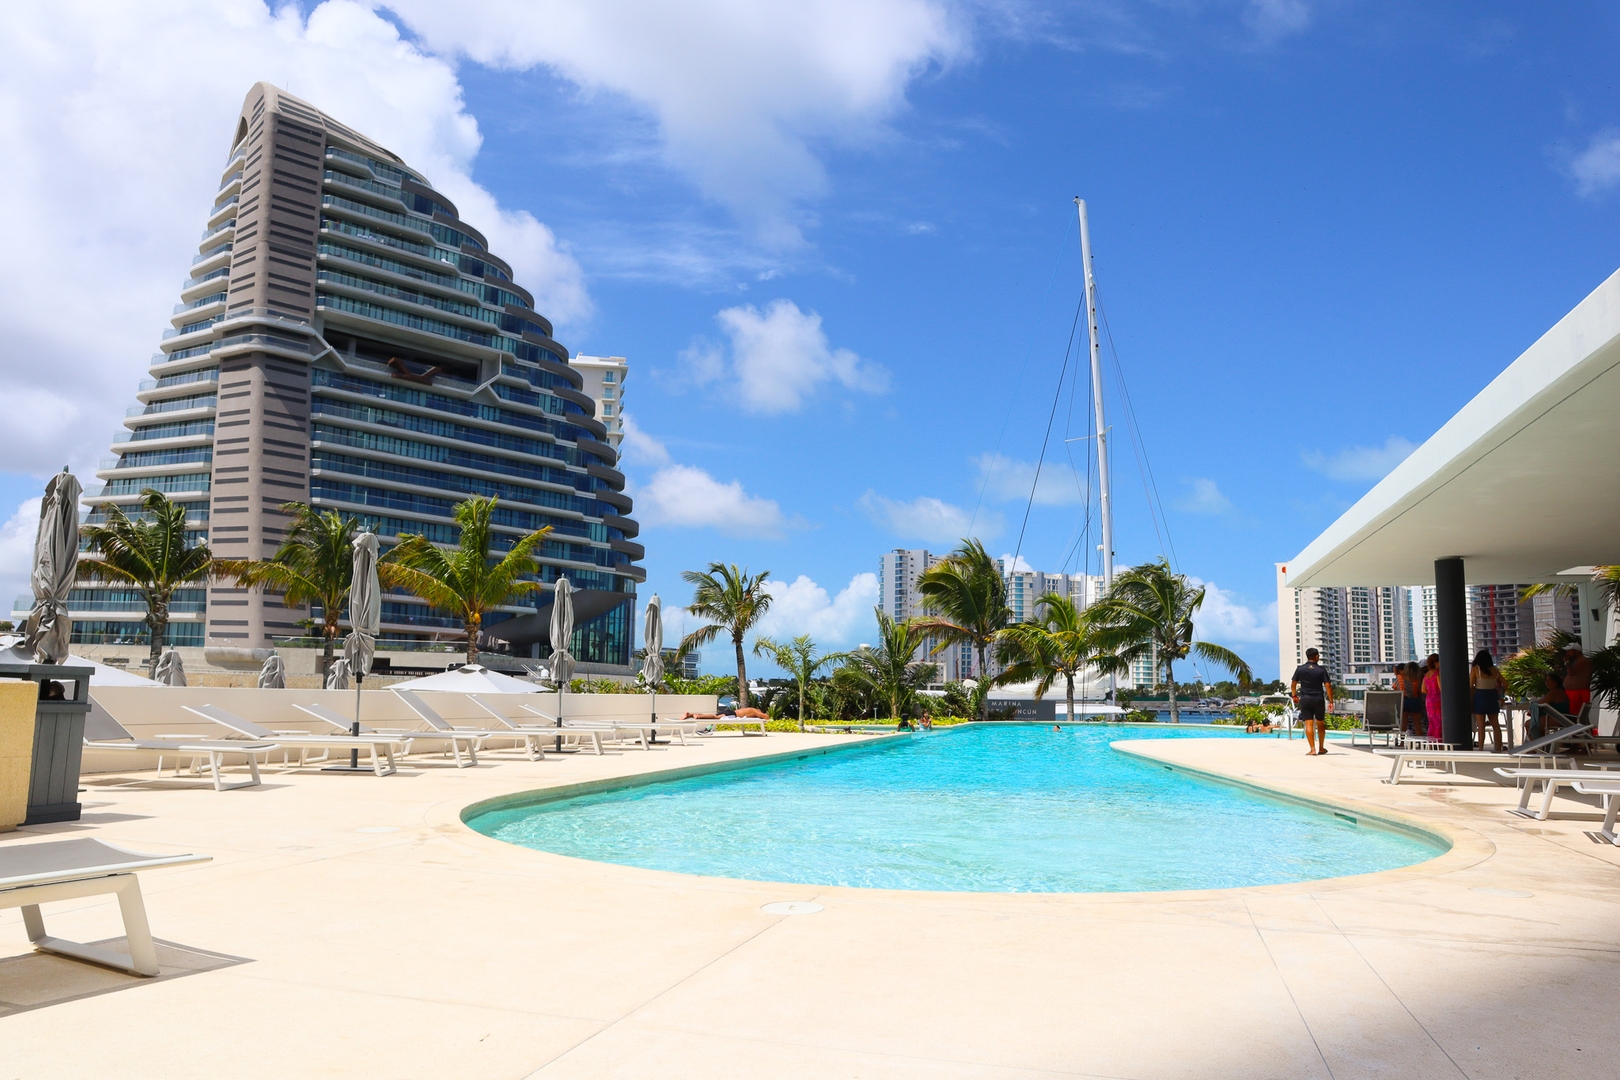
[(367, 769)]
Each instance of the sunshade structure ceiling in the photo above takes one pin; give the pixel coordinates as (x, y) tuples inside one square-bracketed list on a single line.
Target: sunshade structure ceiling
[(1522, 484)]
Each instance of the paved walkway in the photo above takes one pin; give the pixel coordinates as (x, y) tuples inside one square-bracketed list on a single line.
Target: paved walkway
[(352, 926)]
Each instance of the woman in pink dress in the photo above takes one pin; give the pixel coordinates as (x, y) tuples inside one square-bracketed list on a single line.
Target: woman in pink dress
[(1431, 694)]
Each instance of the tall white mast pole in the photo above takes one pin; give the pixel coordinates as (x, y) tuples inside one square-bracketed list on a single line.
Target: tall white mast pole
[(1104, 489)]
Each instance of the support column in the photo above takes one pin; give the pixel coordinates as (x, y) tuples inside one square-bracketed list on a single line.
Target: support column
[(1451, 616)]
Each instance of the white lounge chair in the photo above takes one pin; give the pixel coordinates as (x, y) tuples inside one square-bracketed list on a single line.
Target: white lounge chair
[(1550, 780), (1611, 789), (472, 740), (639, 730), (303, 741), (102, 732), (1401, 757), (743, 722), (592, 735), (35, 874), (413, 701)]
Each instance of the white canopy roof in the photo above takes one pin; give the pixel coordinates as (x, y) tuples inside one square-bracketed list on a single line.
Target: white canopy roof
[(1522, 483), (470, 679)]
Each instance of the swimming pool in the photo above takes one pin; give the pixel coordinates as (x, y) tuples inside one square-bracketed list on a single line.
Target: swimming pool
[(1009, 808)]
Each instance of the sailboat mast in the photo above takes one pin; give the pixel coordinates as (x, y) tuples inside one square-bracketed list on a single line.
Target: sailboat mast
[(1104, 490)]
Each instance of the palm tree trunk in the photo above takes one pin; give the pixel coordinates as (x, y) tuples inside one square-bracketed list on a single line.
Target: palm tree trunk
[(801, 704), (984, 675), (158, 621), (1069, 678), (473, 622), (331, 638), (742, 673), (1170, 677)]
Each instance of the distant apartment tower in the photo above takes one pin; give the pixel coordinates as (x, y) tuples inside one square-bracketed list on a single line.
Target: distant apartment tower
[(1425, 623), (898, 571), (1356, 628), (604, 384), (1502, 623), (345, 340)]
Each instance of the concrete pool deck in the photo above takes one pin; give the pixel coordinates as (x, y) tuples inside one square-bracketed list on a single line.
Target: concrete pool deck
[(351, 925)]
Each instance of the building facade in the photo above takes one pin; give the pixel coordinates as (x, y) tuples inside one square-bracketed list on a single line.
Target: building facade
[(345, 340), (1357, 629), (604, 384)]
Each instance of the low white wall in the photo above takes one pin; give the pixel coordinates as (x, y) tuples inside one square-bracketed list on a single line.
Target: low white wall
[(148, 711)]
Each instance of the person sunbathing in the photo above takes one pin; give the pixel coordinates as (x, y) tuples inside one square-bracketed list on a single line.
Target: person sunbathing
[(747, 712)]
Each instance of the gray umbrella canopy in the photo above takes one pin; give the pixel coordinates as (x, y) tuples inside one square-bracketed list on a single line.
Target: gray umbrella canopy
[(652, 636), (170, 671), (365, 607), (56, 557), (337, 676), (562, 632), (273, 676)]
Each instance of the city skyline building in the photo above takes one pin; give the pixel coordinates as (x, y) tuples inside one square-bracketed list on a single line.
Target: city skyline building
[(604, 384), (1357, 629), (345, 339)]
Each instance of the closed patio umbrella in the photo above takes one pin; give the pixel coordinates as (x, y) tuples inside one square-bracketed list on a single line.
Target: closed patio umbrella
[(652, 666), (170, 671), (562, 632), (365, 616), (56, 557), (273, 676), (337, 676)]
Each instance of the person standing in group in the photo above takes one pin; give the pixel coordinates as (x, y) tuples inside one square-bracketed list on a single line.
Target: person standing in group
[(1486, 682), (1431, 695), (1312, 691), (1577, 679), (1410, 680)]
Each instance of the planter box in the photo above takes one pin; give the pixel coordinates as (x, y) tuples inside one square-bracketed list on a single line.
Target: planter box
[(58, 741)]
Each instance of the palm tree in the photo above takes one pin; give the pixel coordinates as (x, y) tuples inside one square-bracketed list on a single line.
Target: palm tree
[(1149, 610), (798, 658), (312, 566), (966, 601), (147, 552), (732, 601), (1060, 643), (890, 670), (466, 580)]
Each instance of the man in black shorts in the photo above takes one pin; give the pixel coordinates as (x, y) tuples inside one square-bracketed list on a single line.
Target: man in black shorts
[(1312, 690)]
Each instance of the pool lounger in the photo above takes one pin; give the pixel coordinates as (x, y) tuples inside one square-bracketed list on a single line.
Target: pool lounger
[(593, 735), (1611, 788), (302, 740), (640, 730), (598, 728), (1551, 780), (456, 739), (1400, 759), (744, 722), (413, 701), (102, 732), (35, 874)]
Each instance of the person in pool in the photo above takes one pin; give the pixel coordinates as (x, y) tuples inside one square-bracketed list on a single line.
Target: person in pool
[(1312, 690)]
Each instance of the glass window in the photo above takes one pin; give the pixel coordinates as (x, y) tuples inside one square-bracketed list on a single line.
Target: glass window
[(607, 376)]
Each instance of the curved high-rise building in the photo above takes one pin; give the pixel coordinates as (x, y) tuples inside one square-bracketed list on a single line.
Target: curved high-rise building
[(345, 339)]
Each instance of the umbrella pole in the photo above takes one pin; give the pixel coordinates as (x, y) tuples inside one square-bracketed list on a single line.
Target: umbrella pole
[(354, 751)]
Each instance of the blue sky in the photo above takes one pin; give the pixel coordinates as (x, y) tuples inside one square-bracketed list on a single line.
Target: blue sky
[(845, 272)]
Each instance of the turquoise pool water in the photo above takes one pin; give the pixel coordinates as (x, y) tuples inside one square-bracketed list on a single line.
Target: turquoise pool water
[(1005, 809)]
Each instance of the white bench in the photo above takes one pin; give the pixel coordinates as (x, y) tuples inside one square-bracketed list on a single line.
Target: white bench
[(1611, 788), (35, 874)]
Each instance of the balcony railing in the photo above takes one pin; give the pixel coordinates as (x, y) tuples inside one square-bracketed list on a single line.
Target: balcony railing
[(211, 252)]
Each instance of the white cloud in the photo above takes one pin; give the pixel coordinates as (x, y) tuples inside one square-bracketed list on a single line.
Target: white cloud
[(1205, 497), (927, 519), (1224, 620), (17, 537), (744, 95), (116, 120), (778, 357), (1360, 462), (1597, 168), (1019, 564), (688, 497), (641, 448), (803, 607), (1006, 479), (1272, 20)]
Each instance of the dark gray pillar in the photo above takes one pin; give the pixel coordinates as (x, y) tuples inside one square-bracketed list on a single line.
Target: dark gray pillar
[(1451, 613)]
